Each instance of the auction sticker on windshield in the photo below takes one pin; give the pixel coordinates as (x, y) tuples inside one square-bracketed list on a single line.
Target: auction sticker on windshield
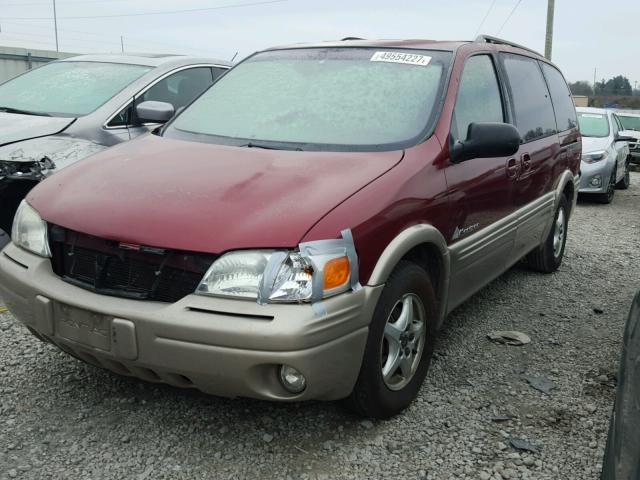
[(400, 57)]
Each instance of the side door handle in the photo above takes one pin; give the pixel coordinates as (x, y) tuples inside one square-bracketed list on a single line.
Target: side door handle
[(513, 168), (526, 162)]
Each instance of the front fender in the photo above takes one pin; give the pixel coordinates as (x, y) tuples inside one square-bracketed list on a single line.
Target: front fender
[(38, 158), (401, 245)]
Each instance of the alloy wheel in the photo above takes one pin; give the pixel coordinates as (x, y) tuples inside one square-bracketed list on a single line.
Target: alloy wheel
[(559, 233), (403, 341)]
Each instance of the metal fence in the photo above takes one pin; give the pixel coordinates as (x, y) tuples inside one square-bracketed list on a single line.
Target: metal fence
[(14, 61)]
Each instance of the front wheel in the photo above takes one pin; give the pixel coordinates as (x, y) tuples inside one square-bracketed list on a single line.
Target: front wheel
[(400, 345), (548, 257), (626, 180), (607, 197)]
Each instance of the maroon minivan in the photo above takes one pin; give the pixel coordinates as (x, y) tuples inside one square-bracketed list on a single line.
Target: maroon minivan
[(304, 227)]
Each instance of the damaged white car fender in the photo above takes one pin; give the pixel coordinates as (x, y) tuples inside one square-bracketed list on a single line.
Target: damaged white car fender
[(38, 158)]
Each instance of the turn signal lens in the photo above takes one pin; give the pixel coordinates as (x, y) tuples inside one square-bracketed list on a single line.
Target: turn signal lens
[(336, 273)]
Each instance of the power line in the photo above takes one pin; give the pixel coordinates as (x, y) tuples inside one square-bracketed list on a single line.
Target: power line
[(130, 39), (166, 12), (48, 44), (21, 4), (510, 15), (115, 44), (39, 35), (493, 3)]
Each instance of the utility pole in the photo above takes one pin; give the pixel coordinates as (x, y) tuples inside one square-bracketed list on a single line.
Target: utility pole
[(548, 44), (122, 43), (55, 24), (595, 72)]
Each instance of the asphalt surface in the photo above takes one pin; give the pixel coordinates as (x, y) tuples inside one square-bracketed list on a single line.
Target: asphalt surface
[(62, 419)]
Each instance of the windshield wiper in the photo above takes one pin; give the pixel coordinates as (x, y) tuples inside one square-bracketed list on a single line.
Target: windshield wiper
[(23, 112), (267, 147)]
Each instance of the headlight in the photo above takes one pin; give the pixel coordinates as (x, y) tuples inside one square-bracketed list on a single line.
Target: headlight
[(317, 270), (594, 157), (29, 231)]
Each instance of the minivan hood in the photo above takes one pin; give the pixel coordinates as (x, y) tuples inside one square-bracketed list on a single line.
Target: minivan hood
[(594, 144), (200, 197)]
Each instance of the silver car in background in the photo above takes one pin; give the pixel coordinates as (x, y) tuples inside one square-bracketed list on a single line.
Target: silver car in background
[(66, 110), (605, 153)]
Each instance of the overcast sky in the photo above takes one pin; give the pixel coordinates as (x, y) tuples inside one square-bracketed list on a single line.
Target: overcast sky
[(589, 34)]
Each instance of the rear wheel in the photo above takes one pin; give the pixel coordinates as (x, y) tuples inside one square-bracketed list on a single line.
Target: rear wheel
[(548, 257), (399, 347), (626, 180)]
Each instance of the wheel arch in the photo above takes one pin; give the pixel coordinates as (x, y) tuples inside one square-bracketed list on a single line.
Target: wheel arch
[(568, 185), (569, 191), (424, 245)]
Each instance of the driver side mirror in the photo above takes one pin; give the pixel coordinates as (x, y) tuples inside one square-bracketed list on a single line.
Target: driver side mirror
[(487, 140), (151, 111)]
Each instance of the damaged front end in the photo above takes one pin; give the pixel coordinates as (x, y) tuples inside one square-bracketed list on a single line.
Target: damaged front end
[(24, 164), (34, 170)]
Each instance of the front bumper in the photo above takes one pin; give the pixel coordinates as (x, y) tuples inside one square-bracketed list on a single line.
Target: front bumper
[(589, 171), (220, 346)]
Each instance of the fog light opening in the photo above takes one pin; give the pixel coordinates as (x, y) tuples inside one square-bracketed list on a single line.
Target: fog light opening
[(596, 181), (292, 380)]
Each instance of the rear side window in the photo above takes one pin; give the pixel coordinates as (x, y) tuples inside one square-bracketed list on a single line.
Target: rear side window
[(561, 97), (479, 97), (534, 112)]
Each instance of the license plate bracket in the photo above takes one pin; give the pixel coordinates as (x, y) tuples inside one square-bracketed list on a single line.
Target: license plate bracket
[(82, 326)]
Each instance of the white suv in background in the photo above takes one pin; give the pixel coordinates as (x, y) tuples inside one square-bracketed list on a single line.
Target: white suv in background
[(631, 123)]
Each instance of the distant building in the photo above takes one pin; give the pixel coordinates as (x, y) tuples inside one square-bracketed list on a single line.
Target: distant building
[(581, 100)]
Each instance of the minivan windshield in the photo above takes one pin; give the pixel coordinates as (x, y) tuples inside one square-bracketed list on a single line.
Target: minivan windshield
[(320, 99), (593, 124), (67, 89), (630, 123)]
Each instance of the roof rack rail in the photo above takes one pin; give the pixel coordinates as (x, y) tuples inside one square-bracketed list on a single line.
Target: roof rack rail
[(500, 41), (351, 38)]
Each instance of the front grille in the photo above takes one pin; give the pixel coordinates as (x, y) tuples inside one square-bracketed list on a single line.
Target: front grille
[(125, 270)]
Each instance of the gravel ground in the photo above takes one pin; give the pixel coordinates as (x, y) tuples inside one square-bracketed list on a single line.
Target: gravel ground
[(63, 419)]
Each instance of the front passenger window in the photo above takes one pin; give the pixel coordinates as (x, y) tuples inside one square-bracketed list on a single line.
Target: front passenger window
[(181, 88), (479, 98), (123, 118)]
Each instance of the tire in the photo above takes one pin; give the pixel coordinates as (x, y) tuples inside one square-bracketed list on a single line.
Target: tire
[(547, 258), (607, 197), (626, 180), (382, 396)]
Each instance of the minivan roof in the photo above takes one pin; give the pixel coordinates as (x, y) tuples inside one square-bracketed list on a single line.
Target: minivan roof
[(147, 59), (447, 45), (360, 42)]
